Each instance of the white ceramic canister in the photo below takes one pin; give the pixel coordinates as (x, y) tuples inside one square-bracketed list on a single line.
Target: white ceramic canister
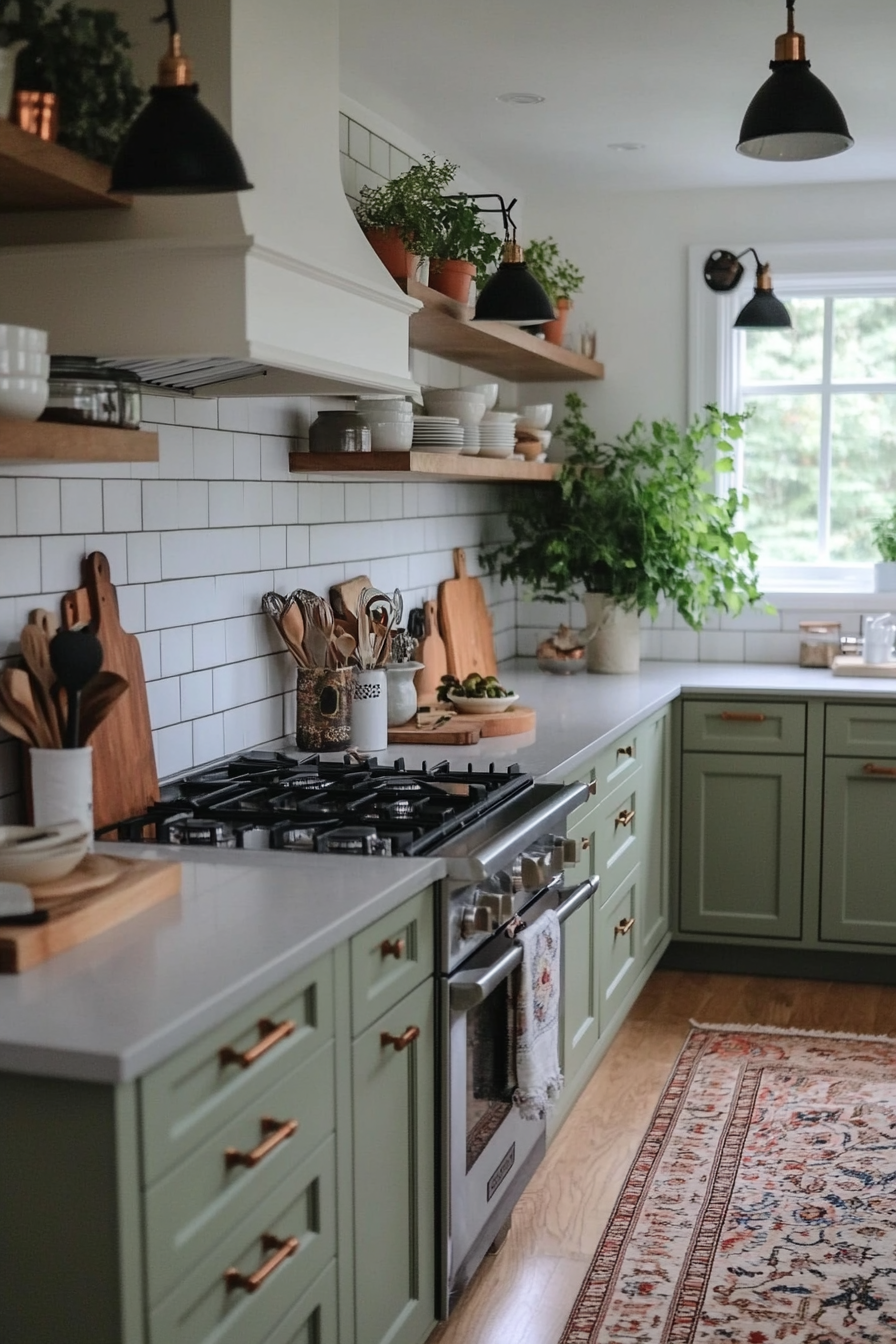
[(401, 693), (370, 723), (62, 786)]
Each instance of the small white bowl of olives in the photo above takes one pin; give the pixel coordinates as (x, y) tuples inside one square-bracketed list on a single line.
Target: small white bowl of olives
[(476, 694)]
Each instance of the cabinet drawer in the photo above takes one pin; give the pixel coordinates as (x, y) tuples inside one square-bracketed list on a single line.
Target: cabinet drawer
[(617, 763), (582, 828), (738, 725), (191, 1208), (390, 957), (860, 730), (192, 1095), (617, 839), (618, 945), (205, 1309), (314, 1318)]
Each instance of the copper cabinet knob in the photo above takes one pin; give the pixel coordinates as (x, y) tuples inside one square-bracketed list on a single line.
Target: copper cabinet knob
[(399, 1042)]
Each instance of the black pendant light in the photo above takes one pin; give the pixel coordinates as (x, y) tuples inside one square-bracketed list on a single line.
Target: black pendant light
[(512, 294), (793, 116), (175, 147), (722, 271)]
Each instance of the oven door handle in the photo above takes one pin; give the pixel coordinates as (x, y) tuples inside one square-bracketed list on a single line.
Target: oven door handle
[(577, 898)]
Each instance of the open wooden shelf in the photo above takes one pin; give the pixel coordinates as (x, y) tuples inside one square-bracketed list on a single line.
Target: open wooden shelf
[(444, 327), (48, 441), (450, 466), (38, 175)]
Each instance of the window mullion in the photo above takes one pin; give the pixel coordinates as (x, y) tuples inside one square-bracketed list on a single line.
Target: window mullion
[(824, 461)]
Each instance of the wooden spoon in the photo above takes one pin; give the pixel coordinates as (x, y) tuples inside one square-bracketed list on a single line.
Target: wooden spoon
[(11, 724), (18, 698), (97, 699), (292, 627), (36, 652)]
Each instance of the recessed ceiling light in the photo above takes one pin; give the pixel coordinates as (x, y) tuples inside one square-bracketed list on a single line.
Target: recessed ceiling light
[(519, 98), (626, 146)]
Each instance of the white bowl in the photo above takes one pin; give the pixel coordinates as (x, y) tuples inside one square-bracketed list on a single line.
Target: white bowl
[(492, 450), (23, 398), (380, 416), (498, 417), (35, 854), (23, 364), (543, 436), (23, 338), (380, 405), (487, 390), (466, 407), (391, 435), (470, 704), (537, 416)]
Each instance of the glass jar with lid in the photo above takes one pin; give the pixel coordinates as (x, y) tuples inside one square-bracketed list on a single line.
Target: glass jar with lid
[(83, 391), (819, 643)]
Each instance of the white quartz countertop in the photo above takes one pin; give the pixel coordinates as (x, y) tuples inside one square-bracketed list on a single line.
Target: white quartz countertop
[(125, 1000)]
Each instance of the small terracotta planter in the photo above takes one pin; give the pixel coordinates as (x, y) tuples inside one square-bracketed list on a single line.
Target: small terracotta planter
[(554, 331), (452, 278), (389, 247), (36, 112)]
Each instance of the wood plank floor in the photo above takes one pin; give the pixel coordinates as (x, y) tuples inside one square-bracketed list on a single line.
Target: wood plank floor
[(523, 1295)]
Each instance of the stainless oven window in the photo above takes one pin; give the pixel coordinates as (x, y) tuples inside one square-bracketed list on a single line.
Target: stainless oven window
[(489, 1068)]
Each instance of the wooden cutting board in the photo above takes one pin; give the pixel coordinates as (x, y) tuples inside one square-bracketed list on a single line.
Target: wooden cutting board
[(466, 623), (125, 780), (431, 653), (140, 884), (854, 667), (517, 719), (427, 730)]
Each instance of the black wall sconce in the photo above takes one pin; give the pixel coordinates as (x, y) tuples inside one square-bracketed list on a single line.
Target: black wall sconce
[(512, 294), (723, 271), (175, 147), (793, 116)]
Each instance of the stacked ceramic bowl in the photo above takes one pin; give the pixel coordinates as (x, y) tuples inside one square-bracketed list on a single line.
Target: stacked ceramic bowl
[(24, 372), (438, 434), (497, 434), (391, 421), (533, 435), (466, 404)]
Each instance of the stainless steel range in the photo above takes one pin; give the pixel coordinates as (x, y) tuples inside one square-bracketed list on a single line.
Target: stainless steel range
[(502, 838)]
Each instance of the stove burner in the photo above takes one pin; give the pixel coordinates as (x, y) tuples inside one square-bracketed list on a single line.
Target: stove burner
[(354, 840)]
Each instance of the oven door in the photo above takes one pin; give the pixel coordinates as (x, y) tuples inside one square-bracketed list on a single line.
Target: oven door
[(490, 1152)]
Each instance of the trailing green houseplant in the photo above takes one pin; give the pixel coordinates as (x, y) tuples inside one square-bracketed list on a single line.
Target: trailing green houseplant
[(634, 521), (406, 208), (558, 277)]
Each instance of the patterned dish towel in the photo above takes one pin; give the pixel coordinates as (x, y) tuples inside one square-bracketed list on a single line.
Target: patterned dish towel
[(536, 1019)]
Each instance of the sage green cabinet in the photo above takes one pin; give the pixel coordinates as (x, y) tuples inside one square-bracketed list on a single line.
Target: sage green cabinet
[(654, 802), (741, 844), (580, 1018)]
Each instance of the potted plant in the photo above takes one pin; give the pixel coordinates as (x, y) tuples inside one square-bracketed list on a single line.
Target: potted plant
[(629, 522), (560, 280), (12, 40), (81, 58), (465, 248), (399, 217), (884, 534)]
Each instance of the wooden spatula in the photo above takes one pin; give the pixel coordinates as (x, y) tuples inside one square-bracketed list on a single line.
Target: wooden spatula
[(431, 653)]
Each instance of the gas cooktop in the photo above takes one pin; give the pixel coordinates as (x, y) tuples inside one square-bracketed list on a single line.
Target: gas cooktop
[(270, 800)]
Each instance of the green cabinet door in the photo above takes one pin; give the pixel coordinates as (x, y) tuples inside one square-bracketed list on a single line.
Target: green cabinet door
[(858, 866), (654, 802), (742, 844), (393, 1107), (579, 1011)]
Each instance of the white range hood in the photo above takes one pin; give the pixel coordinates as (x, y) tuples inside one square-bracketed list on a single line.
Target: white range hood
[(279, 277)]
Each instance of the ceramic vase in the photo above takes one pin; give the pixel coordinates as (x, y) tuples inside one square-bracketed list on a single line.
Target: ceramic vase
[(62, 786), (616, 645), (370, 721), (323, 708), (401, 693), (885, 576)]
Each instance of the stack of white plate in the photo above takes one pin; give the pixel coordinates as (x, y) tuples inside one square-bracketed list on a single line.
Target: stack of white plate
[(471, 439), (438, 434), (497, 434), (391, 421), (24, 372)]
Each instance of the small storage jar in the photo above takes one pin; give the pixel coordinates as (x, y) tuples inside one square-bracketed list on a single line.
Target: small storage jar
[(339, 432)]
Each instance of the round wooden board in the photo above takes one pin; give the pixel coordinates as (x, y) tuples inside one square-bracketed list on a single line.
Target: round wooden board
[(92, 873), (518, 719)]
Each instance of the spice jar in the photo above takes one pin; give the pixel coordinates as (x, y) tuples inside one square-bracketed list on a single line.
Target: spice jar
[(819, 643)]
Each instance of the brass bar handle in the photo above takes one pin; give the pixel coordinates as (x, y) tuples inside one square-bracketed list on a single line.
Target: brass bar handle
[(250, 1283), (625, 818), (277, 1131), (395, 949), (625, 926), (272, 1033), (730, 717), (586, 843), (870, 769), (399, 1042), (624, 751)]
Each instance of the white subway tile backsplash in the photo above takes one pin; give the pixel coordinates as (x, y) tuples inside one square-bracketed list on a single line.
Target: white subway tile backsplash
[(82, 506), (399, 162), (286, 417), (718, 647), (752, 619), (21, 564), (321, 502), (357, 503), (176, 459), (115, 548), (151, 653), (275, 457), (213, 454), (7, 507), (246, 456), (272, 547), (343, 133), (209, 644), (257, 503), (177, 651), (60, 566), (213, 551), (198, 411), (159, 505), (772, 648), (184, 602), (196, 695), (208, 738), (297, 547), (285, 503), (379, 156), (233, 413), (164, 702), (365, 541), (192, 503), (132, 606), (680, 645), (359, 143), (174, 749), (31, 506), (225, 504), (122, 506), (157, 410)]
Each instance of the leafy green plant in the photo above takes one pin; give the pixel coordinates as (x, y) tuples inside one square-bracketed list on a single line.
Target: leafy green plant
[(82, 55), (635, 519), (559, 278), (884, 534), (410, 203), (463, 235)]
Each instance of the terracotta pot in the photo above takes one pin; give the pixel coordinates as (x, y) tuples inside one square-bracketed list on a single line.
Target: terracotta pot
[(554, 331), (37, 113), (616, 644), (388, 245), (452, 278)]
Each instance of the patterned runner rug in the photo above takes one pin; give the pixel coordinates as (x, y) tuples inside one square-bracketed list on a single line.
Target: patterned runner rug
[(762, 1204)]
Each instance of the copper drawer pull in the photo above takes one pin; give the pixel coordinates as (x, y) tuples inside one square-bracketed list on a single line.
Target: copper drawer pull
[(624, 751), (625, 818), (741, 718), (399, 1042), (277, 1131), (271, 1034), (625, 926), (886, 770), (395, 949), (586, 842), (252, 1282)]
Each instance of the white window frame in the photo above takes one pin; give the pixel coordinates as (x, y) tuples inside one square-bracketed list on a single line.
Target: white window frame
[(857, 269)]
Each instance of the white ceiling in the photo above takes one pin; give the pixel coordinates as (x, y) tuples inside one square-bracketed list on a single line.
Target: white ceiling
[(676, 75)]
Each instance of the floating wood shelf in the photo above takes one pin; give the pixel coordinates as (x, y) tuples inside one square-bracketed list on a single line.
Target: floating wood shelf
[(38, 175), (47, 441), (444, 327), (449, 466)]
